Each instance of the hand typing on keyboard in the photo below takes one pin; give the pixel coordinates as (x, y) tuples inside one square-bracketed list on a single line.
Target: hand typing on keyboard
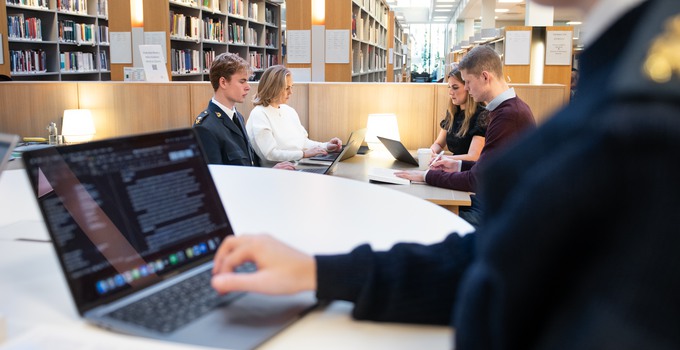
[(280, 268)]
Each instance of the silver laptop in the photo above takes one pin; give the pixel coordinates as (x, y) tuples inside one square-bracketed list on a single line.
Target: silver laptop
[(354, 136), (135, 222), (7, 143), (398, 151), (350, 150)]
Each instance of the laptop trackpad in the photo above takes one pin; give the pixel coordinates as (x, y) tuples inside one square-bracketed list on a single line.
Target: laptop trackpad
[(246, 322)]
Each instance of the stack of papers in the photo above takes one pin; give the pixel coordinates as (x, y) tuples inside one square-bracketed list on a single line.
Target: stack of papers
[(387, 176)]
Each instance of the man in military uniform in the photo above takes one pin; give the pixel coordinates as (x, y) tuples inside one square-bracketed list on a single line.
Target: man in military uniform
[(220, 127), (578, 245)]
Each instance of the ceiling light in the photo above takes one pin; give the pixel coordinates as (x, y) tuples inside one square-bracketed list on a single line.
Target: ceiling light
[(449, 6), (502, 10), (442, 10), (573, 23), (510, 1)]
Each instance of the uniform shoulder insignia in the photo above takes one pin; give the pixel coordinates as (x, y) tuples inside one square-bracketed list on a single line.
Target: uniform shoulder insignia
[(201, 116), (218, 114), (663, 57)]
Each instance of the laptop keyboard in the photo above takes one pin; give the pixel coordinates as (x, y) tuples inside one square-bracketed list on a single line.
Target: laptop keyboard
[(191, 299), (314, 170)]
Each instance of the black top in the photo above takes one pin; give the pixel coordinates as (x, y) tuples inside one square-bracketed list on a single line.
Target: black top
[(461, 145)]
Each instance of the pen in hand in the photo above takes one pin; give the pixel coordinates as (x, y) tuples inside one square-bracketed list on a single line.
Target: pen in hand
[(439, 155)]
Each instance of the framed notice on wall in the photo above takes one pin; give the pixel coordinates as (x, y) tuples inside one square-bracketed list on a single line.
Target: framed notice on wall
[(558, 48)]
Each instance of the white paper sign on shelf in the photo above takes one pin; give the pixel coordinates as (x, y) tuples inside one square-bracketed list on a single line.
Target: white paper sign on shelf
[(153, 63), (301, 75), (157, 38), (391, 56), (2, 55), (337, 46), (133, 74), (517, 47), (121, 47), (558, 48), (298, 49)]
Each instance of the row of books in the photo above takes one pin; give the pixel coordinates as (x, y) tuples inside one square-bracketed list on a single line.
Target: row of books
[(213, 29), (32, 3), (27, 61), (362, 30), (184, 27), (270, 38), (103, 8), (79, 33), (372, 61), (260, 61), (76, 61), (77, 6), (235, 7), (269, 16), (26, 29), (373, 7), (185, 61), (236, 34)]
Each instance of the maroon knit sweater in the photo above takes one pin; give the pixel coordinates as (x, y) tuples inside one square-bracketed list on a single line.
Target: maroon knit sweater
[(510, 119)]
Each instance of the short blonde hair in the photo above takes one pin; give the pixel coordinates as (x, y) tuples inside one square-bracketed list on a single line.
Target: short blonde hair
[(271, 85)]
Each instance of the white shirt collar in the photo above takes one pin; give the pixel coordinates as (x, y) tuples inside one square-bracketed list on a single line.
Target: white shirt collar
[(230, 112), (502, 97), (603, 15)]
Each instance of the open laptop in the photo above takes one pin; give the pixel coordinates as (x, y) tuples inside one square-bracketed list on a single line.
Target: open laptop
[(7, 143), (398, 150), (135, 222), (353, 137), (352, 147)]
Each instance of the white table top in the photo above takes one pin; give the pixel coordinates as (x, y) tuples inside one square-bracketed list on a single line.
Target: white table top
[(315, 213)]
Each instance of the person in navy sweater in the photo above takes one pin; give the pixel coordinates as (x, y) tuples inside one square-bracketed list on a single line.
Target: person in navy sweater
[(577, 248)]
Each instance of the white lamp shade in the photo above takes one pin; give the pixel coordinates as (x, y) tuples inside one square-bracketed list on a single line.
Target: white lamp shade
[(383, 125), (77, 125)]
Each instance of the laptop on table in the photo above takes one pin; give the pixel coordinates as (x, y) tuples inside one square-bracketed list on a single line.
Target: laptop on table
[(7, 143), (350, 150), (135, 223), (354, 136), (398, 150)]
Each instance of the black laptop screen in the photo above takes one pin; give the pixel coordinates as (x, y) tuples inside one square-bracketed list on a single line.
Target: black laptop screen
[(125, 213)]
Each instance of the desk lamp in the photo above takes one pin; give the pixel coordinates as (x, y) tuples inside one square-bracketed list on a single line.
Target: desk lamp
[(77, 126), (383, 125)]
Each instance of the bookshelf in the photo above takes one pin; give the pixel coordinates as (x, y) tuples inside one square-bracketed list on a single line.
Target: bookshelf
[(56, 39), (200, 30), (369, 41), (397, 70)]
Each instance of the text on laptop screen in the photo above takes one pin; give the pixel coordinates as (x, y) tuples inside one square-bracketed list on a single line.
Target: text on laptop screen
[(127, 212)]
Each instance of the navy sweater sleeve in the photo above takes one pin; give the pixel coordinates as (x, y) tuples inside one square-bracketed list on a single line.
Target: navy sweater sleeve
[(410, 283)]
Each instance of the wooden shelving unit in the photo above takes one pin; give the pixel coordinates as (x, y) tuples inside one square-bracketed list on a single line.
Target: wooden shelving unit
[(55, 40), (397, 70), (203, 29)]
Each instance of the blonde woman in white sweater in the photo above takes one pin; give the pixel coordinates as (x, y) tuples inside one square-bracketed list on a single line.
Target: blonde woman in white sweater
[(274, 128)]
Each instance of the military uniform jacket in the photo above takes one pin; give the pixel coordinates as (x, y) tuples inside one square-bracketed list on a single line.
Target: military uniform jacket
[(222, 140)]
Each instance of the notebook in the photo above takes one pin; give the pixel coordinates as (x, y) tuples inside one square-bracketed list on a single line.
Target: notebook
[(135, 222), (353, 137), (348, 151), (7, 143), (398, 151)]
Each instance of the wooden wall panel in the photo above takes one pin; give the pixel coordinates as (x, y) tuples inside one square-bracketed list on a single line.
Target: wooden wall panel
[(119, 21), (339, 108), (517, 73), (132, 108), (544, 100), (339, 16), (28, 107), (325, 109), (557, 74), (298, 17)]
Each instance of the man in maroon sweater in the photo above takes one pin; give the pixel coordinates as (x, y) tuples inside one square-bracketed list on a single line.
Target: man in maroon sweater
[(508, 116)]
